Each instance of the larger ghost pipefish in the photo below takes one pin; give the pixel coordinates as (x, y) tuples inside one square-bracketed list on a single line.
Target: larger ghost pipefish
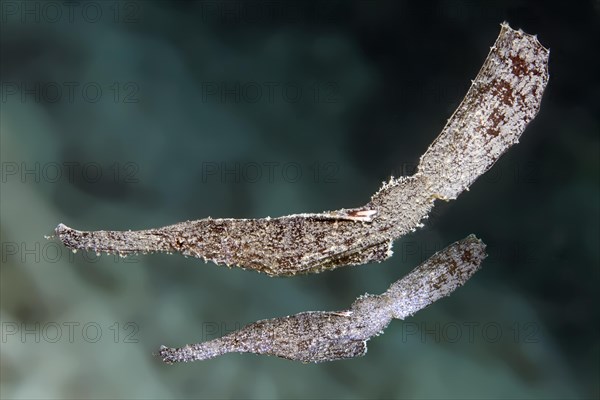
[(504, 97)]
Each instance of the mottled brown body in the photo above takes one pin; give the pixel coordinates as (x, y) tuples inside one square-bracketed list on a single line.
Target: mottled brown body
[(504, 97), (318, 336)]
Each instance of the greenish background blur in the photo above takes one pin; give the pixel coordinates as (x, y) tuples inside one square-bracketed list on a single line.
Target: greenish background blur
[(138, 114)]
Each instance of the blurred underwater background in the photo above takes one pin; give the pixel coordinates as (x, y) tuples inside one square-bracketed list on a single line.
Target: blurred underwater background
[(137, 114)]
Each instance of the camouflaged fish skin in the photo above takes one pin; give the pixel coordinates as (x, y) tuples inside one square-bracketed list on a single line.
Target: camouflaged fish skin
[(319, 336), (504, 97)]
